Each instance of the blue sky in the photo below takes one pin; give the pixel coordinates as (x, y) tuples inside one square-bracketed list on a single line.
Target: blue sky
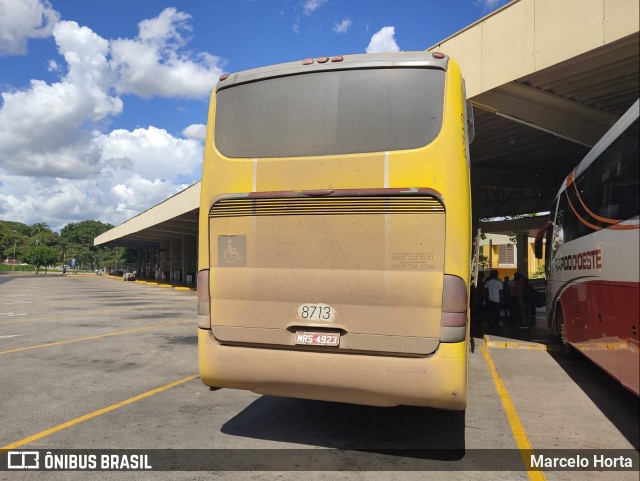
[(103, 102)]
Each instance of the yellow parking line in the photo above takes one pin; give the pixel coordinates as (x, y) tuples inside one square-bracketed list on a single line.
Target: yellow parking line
[(94, 414), (519, 433), (117, 333)]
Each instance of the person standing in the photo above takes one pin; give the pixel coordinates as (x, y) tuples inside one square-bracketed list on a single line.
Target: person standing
[(517, 291), (477, 304), (505, 296), (494, 295)]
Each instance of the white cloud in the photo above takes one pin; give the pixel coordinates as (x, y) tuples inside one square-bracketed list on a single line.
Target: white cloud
[(383, 41), (138, 169), (45, 129), (52, 200), (58, 161), (343, 26), (137, 194), (165, 27), (152, 64), (488, 5), (153, 153), (195, 131), (21, 20), (52, 66), (86, 55), (308, 7), (311, 6)]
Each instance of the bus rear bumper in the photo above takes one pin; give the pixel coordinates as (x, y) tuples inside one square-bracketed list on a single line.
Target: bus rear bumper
[(438, 381)]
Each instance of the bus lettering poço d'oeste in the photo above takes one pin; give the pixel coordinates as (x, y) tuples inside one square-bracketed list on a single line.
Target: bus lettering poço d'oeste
[(592, 252), (335, 237)]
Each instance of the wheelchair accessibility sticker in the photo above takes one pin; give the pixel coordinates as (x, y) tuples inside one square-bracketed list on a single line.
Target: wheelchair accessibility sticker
[(232, 251)]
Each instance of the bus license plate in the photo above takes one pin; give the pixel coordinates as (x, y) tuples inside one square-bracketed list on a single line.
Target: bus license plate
[(318, 338)]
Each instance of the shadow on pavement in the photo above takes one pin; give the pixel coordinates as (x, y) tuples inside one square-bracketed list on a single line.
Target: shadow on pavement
[(394, 431), (618, 404)]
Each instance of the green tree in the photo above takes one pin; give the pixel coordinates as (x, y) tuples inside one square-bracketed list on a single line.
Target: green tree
[(13, 239), (63, 247), (41, 234), (111, 257), (83, 254), (39, 256), (76, 241), (18, 227), (38, 228), (46, 238), (83, 232)]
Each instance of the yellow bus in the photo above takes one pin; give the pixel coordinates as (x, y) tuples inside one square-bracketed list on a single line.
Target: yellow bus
[(335, 236)]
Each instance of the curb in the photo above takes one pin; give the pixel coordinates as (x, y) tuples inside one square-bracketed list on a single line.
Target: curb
[(153, 283), (502, 344)]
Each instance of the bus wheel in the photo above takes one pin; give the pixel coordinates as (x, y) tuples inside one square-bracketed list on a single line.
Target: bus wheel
[(567, 350)]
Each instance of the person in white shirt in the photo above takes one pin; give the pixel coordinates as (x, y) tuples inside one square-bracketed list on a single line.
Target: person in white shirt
[(494, 295)]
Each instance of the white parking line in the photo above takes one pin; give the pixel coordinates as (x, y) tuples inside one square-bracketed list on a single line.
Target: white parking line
[(12, 335), (16, 302), (10, 314)]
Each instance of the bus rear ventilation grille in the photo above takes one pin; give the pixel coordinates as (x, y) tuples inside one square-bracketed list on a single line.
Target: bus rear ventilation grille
[(326, 206)]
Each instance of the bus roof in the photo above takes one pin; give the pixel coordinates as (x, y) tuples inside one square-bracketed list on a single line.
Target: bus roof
[(613, 133), (371, 60)]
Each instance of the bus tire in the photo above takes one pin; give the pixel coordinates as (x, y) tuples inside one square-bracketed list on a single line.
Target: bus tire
[(567, 349)]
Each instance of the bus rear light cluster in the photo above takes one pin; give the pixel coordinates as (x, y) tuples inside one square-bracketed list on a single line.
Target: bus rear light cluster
[(310, 61), (454, 301), (204, 300)]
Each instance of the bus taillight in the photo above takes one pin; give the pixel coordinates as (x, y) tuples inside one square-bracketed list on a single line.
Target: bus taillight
[(204, 300), (454, 302)]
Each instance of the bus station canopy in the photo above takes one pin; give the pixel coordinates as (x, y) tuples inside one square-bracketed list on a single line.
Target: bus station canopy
[(547, 79)]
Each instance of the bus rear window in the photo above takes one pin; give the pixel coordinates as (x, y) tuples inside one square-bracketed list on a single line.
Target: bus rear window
[(331, 113)]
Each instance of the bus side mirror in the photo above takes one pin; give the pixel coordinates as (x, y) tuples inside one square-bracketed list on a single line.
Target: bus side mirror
[(471, 126), (537, 246)]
